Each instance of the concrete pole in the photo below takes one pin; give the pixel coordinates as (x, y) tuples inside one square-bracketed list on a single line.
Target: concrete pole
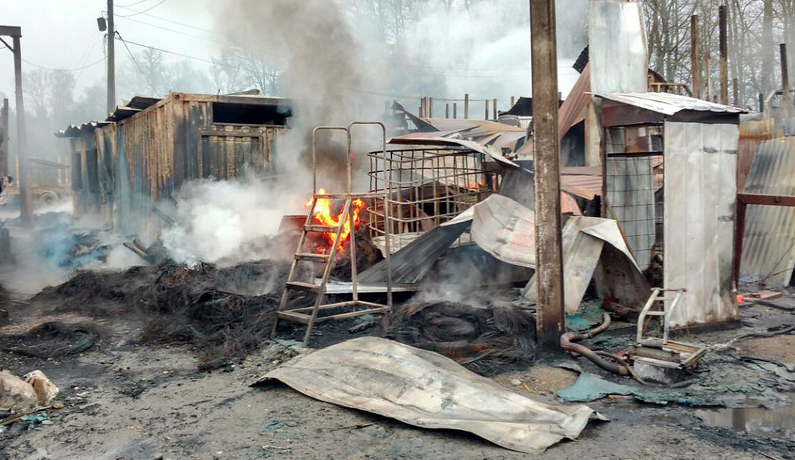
[(111, 59), (25, 198), (546, 164)]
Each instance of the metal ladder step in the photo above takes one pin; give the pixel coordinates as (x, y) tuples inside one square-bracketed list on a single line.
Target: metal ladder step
[(312, 257), (302, 286), (320, 228)]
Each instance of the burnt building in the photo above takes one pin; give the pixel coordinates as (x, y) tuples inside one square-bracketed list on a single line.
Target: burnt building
[(147, 149)]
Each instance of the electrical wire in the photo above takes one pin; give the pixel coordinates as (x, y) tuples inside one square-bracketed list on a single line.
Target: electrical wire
[(136, 13), (176, 53), (169, 30), (132, 4), (64, 70), (181, 24), (124, 42)]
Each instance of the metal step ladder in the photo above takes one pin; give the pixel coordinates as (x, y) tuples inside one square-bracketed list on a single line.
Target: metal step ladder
[(320, 311)]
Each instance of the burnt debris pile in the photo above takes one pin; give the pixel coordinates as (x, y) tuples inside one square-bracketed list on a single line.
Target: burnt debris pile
[(53, 339), (223, 312), (485, 338)]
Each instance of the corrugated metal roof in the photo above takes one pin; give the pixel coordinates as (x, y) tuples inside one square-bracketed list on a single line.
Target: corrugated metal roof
[(769, 241), (669, 104), (81, 130)]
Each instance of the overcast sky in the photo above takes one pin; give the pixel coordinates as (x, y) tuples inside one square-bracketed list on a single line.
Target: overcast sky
[(63, 33)]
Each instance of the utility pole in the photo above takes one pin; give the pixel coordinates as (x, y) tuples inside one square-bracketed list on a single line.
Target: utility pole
[(111, 60), (25, 201), (546, 166)]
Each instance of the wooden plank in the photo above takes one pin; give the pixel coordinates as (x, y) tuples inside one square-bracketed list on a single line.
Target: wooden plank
[(766, 200)]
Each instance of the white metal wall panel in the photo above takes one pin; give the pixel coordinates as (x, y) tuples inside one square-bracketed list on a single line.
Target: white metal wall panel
[(700, 198), (769, 240), (617, 51)]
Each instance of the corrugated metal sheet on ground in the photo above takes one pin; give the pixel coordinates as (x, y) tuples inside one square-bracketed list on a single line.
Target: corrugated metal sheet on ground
[(700, 198), (617, 47), (769, 242), (582, 241), (667, 103)]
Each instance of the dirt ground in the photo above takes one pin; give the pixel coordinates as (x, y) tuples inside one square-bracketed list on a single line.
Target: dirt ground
[(131, 401)]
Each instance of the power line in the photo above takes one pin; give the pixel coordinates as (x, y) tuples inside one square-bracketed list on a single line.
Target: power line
[(64, 70), (167, 29), (181, 23), (124, 42), (136, 13), (132, 4), (175, 53)]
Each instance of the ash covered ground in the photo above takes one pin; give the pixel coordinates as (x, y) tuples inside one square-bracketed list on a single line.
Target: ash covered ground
[(155, 361)]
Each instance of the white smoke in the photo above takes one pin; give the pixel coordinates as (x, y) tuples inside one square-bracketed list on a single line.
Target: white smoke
[(227, 222)]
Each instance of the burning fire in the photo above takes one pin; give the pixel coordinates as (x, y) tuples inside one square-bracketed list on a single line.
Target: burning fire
[(324, 216)]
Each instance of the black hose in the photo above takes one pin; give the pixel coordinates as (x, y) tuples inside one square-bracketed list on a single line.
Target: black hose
[(567, 344)]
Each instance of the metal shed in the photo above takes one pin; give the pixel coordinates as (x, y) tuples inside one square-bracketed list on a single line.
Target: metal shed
[(150, 147), (695, 142)]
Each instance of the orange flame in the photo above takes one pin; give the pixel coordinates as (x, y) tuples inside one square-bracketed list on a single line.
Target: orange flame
[(324, 216)]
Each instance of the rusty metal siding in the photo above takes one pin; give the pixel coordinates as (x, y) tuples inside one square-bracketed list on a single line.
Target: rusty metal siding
[(751, 134), (769, 241)]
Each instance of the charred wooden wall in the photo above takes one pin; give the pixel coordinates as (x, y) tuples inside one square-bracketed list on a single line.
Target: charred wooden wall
[(146, 158)]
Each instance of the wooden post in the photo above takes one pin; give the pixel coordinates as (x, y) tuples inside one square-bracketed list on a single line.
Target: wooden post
[(455, 109), (494, 109), (513, 101), (724, 55), (447, 110), (694, 56), (736, 91), (486, 117), (466, 106), (785, 96), (430, 107), (546, 165), (707, 75)]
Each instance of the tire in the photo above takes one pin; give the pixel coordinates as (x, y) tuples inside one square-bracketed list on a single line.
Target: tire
[(48, 198)]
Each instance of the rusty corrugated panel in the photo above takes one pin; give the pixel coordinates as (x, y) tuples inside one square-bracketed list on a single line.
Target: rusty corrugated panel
[(751, 134), (769, 241)]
